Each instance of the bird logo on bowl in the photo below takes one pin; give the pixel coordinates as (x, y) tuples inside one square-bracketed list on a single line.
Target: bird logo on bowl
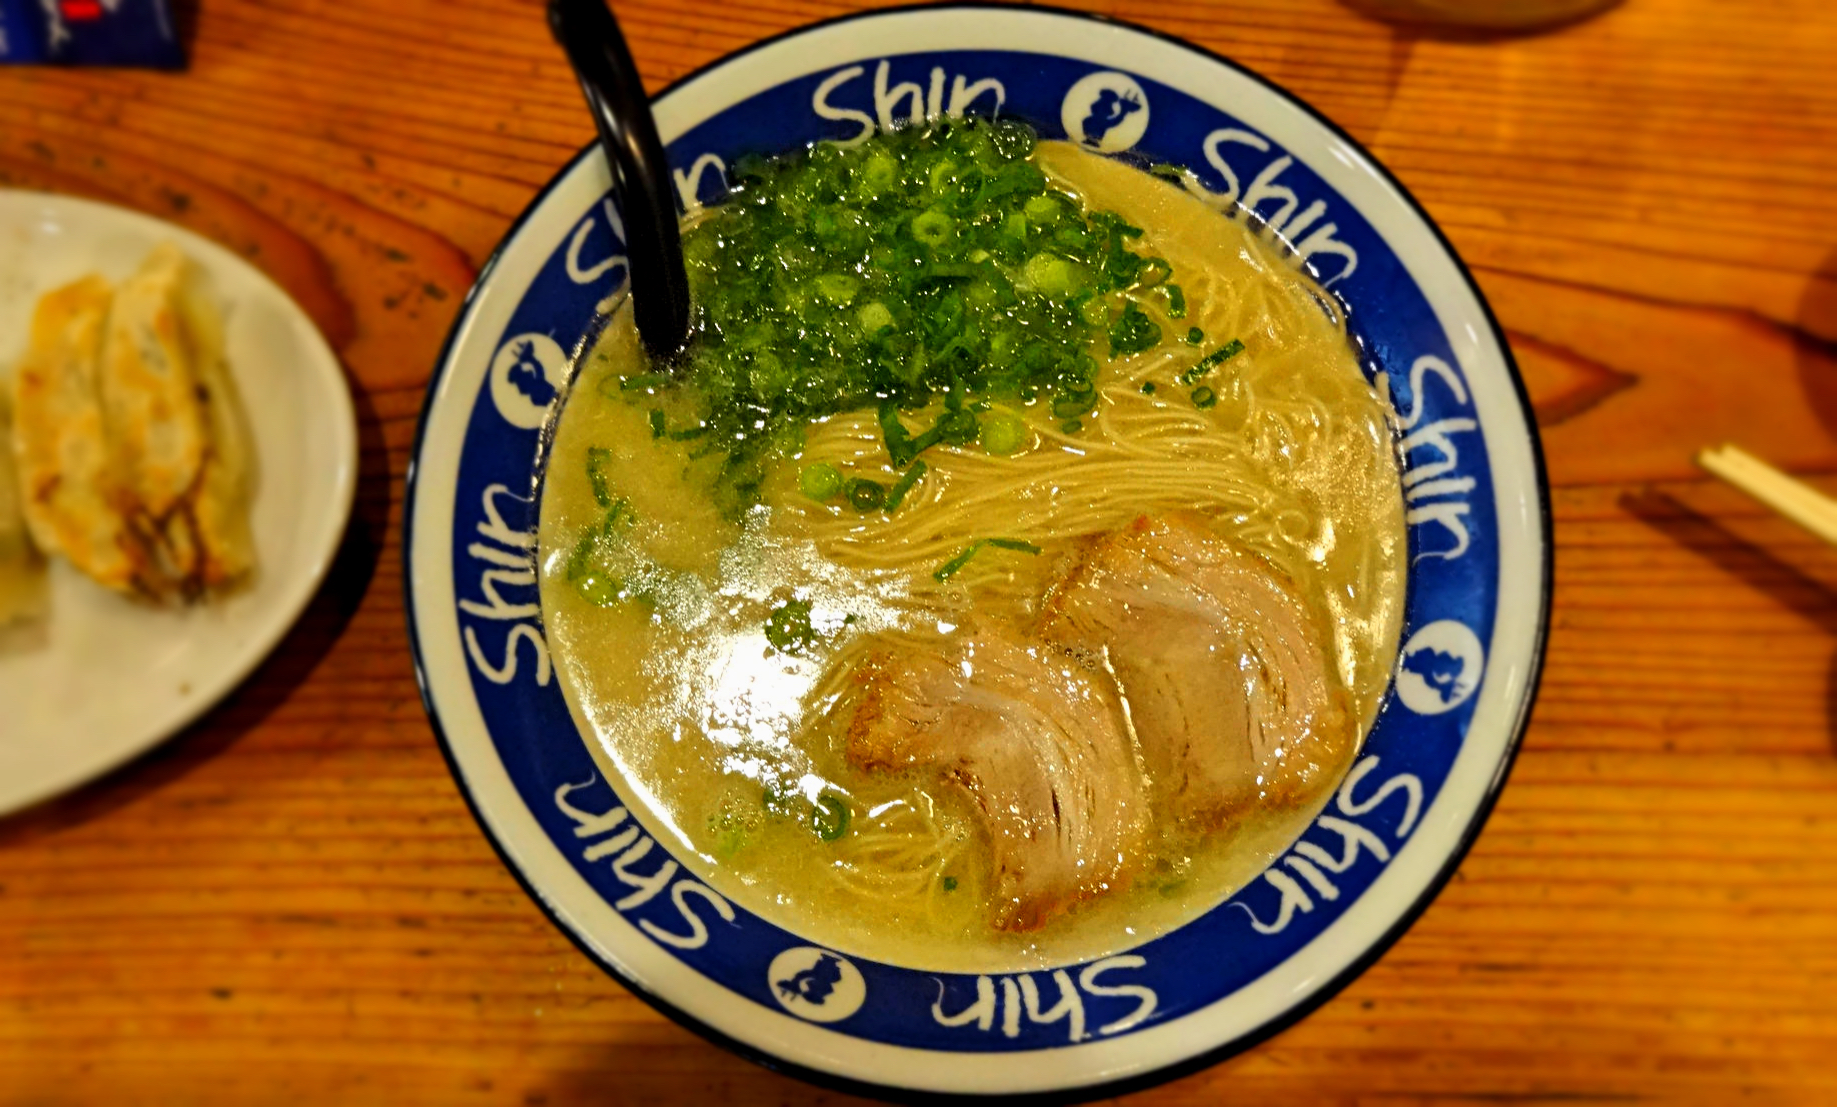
[(816, 984), (526, 376), (1439, 668), (1105, 111)]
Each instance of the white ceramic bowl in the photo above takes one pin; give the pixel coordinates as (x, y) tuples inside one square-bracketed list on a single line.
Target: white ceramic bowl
[(1478, 585)]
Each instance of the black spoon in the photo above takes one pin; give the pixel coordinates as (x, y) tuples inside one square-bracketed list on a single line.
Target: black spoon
[(641, 181)]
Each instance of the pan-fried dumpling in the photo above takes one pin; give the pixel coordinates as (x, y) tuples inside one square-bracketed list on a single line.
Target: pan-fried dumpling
[(133, 458), (66, 466), (22, 571), (174, 426)]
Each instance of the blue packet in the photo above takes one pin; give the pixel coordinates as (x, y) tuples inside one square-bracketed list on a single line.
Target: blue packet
[(21, 37), (136, 33)]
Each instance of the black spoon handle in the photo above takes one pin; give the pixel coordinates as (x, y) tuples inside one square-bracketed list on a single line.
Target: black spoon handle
[(641, 180)]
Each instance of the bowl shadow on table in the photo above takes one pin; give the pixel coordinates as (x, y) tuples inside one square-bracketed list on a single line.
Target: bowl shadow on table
[(1752, 564), (272, 683), (687, 1070)]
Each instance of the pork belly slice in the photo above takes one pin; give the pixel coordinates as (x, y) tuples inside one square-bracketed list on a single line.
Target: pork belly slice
[(1224, 672), (1037, 745)]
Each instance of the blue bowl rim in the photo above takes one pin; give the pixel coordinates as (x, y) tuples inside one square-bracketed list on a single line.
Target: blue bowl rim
[(1205, 1058)]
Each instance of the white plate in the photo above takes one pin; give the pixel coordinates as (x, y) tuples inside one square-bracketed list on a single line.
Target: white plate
[(104, 678)]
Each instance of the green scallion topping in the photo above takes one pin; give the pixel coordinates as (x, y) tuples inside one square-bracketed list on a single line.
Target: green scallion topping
[(829, 818), (788, 627), (904, 485), (821, 481), (933, 228), (1133, 331), (658, 427), (1003, 434), (597, 458), (1212, 361), (949, 568), (867, 495), (923, 264), (1012, 544), (1204, 397), (1195, 336)]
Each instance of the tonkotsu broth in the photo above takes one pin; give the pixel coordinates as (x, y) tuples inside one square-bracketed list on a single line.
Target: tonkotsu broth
[(734, 750)]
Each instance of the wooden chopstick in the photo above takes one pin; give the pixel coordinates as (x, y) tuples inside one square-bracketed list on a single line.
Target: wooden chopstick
[(1792, 498)]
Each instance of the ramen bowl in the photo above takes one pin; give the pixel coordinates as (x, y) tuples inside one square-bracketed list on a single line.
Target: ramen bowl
[(1390, 834)]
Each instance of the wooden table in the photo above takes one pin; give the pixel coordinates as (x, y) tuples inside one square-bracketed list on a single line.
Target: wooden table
[(290, 903)]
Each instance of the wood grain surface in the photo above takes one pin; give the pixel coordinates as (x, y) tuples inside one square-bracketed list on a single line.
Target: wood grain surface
[(291, 904)]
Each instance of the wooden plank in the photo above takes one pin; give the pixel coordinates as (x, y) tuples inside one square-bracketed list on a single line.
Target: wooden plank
[(291, 902)]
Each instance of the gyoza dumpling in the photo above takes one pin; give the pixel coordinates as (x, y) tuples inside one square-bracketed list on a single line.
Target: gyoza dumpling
[(174, 425), (22, 571), (67, 472)]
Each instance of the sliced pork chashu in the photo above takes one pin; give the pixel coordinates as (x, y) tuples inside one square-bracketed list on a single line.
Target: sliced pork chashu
[(67, 471), (1224, 671), (1039, 748)]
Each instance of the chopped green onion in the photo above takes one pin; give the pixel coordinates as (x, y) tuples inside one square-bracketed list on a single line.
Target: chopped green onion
[(950, 884), (1012, 544), (788, 627), (933, 227), (1133, 331), (1148, 388), (1043, 210), (1204, 397), (1195, 336), (957, 427), (867, 495), (598, 589), (923, 264), (901, 446), (1051, 275), (1072, 426), (657, 423), (837, 288), (1093, 311), (1153, 273), (1176, 299), (829, 818), (1212, 360), (874, 317), (596, 474), (904, 485), (949, 568), (820, 481), (1003, 434)]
